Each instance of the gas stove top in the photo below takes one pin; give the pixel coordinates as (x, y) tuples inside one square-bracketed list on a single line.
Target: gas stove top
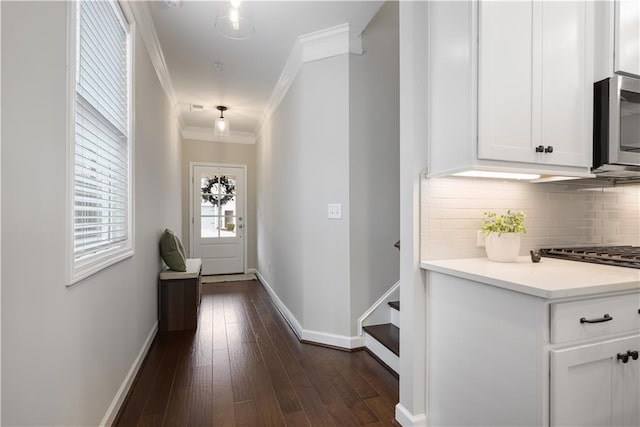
[(622, 256)]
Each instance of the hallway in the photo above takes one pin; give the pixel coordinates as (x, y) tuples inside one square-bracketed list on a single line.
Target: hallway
[(244, 366)]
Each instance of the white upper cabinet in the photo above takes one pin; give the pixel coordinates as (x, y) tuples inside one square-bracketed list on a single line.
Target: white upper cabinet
[(505, 76), (627, 37), (566, 104), (525, 69)]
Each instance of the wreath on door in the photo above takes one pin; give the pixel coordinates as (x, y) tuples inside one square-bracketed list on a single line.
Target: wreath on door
[(217, 199)]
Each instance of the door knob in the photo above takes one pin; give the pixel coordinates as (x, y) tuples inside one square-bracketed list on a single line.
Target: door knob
[(624, 357), (539, 149), (549, 149), (633, 354)]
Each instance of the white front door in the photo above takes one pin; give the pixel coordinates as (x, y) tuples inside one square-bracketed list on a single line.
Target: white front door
[(217, 232)]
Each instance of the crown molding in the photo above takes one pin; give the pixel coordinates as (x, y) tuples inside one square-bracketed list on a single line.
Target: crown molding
[(330, 42), (333, 41), (146, 28), (207, 134)]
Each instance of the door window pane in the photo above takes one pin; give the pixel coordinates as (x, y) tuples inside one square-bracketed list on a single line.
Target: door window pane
[(218, 206), (208, 226)]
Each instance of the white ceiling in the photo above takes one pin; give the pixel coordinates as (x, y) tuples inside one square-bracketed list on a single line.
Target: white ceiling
[(251, 68)]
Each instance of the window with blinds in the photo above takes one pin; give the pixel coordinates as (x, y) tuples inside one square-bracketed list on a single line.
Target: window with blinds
[(102, 145)]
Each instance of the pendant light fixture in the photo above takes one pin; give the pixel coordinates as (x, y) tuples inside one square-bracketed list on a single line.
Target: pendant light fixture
[(221, 124), (234, 26)]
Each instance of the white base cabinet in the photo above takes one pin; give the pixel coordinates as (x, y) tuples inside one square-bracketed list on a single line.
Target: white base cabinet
[(491, 359), (591, 386)]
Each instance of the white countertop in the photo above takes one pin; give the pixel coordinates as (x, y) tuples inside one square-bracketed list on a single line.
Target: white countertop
[(550, 278)]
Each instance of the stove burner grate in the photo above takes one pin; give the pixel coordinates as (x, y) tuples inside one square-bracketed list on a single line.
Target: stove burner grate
[(622, 256)]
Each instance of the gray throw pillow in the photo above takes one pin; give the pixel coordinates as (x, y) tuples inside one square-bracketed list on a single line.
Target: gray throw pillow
[(172, 251)]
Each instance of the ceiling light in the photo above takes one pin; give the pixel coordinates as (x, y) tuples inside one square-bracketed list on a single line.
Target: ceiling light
[(222, 124), (554, 178), (234, 26), (235, 4), (499, 175), (234, 17), (218, 66)]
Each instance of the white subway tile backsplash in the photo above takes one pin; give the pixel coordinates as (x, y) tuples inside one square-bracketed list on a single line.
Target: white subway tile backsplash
[(558, 214)]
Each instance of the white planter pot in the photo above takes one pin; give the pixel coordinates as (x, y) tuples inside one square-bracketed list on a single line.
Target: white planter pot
[(503, 247)]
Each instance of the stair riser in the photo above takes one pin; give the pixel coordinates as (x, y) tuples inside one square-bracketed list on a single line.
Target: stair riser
[(382, 352), (394, 316)]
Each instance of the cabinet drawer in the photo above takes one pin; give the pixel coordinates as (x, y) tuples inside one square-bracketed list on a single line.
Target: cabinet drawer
[(566, 324)]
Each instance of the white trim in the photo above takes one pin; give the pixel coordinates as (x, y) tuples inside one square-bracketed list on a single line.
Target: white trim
[(375, 305), (318, 337), (282, 308), (207, 134), (116, 403), (147, 30), (0, 213), (78, 270), (339, 40), (382, 352), (335, 340), (406, 418), (244, 201), (394, 317), (70, 139), (330, 42)]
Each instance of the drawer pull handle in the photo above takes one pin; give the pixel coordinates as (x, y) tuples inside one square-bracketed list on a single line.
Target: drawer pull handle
[(624, 357), (633, 354), (604, 318)]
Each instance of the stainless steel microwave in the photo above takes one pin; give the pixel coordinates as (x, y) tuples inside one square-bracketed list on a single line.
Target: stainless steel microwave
[(616, 127)]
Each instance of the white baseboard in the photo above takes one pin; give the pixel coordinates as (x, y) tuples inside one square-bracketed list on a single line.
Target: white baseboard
[(407, 419), (318, 337), (117, 401)]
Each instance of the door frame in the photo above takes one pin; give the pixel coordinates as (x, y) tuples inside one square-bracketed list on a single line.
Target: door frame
[(192, 165)]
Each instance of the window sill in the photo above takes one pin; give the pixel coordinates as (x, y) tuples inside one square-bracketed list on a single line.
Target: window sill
[(90, 268)]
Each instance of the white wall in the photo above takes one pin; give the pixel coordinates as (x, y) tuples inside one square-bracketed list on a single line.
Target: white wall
[(303, 158), (584, 212), (333, 139), (217, 152), (374, 163), (413, 159), (66, 351)]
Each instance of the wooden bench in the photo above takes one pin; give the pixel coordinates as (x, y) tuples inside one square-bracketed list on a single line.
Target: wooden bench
[(180, 294)]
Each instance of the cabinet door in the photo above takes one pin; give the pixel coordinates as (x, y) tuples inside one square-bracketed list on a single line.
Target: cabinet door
[(564, 119), (535, 68), (504, 81), (631, 389), (627, 37), (590, 386)]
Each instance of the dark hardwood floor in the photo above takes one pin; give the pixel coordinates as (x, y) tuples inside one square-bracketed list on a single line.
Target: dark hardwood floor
[(244, 366)]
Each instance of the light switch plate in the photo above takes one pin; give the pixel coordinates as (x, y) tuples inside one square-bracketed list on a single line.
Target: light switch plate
[(335, 211)]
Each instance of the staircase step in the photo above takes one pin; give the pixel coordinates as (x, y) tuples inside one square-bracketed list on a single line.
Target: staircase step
[(394, 304), (387, 334)]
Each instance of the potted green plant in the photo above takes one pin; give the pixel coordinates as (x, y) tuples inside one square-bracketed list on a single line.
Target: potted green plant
[(502, 241)]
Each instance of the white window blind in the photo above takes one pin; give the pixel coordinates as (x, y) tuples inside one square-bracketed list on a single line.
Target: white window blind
[(101, 222)]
